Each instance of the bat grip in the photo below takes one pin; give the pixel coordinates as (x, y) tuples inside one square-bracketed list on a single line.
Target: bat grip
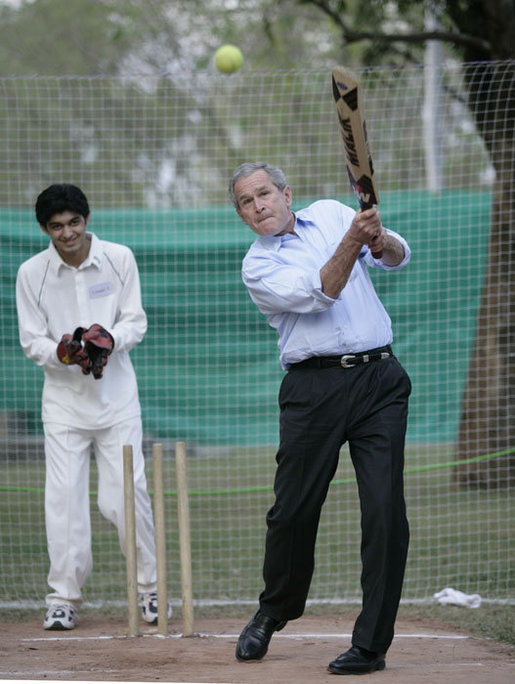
[(379, 253)]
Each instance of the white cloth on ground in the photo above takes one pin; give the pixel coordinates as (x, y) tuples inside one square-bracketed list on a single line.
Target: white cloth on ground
[(450, 596)]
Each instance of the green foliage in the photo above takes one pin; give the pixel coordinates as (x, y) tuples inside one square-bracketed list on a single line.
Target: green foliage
[(56, 37)]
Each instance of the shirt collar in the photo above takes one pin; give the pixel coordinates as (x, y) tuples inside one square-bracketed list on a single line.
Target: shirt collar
[(94, 257), (275, 242)]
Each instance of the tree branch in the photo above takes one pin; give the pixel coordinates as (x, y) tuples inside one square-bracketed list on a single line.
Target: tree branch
[(350, 36), (422, 36)]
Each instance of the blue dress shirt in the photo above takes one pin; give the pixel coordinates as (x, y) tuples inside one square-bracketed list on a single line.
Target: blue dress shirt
[(282, 275)]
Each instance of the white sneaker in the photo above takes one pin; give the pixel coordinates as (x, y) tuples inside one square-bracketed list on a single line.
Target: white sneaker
[(148, 604), (60, 616)]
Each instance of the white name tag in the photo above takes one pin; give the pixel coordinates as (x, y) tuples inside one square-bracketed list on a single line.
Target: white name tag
[(100, 290)]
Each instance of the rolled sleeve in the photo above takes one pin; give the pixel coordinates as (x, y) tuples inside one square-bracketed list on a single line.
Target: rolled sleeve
[(378, 263), (286, 289)]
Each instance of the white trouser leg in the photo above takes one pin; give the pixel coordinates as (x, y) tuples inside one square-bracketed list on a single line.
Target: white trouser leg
[(108, 445), (68, 526)]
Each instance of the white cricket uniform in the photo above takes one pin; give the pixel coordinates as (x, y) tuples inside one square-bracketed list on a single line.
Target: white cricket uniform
[(79, 412)]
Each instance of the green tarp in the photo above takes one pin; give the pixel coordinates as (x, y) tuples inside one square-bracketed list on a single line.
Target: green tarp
[(208, 367)]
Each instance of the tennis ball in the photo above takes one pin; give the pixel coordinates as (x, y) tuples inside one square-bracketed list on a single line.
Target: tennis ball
[(228, 59)]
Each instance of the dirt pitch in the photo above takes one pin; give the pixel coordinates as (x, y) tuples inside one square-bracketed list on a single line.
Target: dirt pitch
[(99, 650)]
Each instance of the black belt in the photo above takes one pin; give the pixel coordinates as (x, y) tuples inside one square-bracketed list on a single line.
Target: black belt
[(345, 361)]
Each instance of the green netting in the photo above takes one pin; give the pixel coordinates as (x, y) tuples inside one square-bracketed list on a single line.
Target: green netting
[(208, 367)]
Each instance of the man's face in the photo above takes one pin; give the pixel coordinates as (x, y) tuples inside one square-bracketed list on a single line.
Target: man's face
[(68, 234), (262, 206)]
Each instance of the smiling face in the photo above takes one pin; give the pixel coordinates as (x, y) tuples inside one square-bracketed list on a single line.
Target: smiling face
[(67, 230), (262, 206)]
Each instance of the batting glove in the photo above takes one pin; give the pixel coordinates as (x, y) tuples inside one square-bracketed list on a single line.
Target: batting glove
[(99, 344), (70, 351)]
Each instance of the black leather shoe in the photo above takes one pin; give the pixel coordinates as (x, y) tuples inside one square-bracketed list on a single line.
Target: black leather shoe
[(357, 660), (254, 640)]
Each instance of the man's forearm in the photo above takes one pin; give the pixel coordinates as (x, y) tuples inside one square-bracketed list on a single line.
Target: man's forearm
[(393, 252), (335, 273)]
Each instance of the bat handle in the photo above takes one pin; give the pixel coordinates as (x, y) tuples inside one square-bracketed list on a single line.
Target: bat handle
[(379, 253)]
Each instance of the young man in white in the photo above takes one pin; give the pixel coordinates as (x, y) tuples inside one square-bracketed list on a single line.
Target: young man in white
[(79, 315)]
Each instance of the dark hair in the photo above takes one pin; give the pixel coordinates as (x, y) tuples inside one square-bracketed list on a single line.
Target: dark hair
[(58, 198), (248, 168)]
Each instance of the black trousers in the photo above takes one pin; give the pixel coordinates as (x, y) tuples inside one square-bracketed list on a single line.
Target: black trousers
[(321, 409)]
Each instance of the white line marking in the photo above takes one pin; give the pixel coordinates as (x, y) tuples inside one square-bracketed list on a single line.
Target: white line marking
[(329, 635), (44, 673)]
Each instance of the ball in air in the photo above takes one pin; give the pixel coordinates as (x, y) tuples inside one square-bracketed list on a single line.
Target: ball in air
[(228, 59)]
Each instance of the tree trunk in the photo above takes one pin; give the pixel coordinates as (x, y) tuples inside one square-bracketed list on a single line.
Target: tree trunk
[(487, 425)]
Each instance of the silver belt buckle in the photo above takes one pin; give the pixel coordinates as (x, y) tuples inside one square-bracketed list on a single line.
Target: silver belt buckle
[(344, 361)]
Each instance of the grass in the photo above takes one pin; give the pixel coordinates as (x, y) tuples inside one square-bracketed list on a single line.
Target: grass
[(495, 622), (492, 621), (460, 538)]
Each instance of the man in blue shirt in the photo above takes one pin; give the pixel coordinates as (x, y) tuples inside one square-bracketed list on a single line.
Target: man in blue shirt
[(308, 273)]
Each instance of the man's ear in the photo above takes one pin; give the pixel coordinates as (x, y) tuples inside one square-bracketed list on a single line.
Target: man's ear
[(44, 228), (86, 219)]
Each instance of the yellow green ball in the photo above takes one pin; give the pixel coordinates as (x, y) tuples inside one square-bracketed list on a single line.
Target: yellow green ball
[(228, 59)]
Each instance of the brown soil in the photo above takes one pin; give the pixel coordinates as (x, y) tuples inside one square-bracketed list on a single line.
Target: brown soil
[(99, 649)]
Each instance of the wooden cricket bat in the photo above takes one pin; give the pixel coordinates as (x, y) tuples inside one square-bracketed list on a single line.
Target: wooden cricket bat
[(353, 131)]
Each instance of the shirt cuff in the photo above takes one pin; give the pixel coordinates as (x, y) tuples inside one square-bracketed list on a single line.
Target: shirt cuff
[(316, 289)]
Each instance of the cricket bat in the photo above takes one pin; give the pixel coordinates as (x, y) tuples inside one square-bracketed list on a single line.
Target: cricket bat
[(353, 131)]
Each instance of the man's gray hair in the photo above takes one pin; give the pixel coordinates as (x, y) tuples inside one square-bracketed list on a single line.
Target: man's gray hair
[(248, 168)]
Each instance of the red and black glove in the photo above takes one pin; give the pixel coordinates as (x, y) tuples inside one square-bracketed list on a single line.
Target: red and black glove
[(98, 344), (70, 351)]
